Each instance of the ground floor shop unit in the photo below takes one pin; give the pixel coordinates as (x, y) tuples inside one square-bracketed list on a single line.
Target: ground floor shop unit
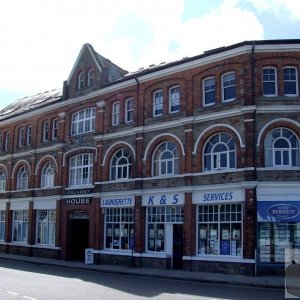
[(209, 228)]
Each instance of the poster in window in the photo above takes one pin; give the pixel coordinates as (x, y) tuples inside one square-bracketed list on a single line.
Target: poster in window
[(233, 248), (236, 234), (117, 232), (151, 244), (151, 233), (109, 232), (203, 234), (158, 245), (225, 234), (225, 247), (124, 232), (160, 233), (213, 234)]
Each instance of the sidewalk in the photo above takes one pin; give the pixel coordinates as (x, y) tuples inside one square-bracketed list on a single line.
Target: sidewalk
[(255, 281)]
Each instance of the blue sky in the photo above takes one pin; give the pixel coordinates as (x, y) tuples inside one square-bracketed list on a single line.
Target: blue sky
[(40, 40)]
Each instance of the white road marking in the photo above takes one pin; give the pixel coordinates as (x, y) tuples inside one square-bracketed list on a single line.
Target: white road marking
[(29, 298), (12, 293)]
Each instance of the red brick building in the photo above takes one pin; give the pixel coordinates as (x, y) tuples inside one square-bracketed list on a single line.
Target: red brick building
[(193, 164)]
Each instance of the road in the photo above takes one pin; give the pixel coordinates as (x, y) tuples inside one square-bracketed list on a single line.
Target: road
[(20, 280)]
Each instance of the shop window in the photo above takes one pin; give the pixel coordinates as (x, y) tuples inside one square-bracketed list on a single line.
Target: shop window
[(228, 84), (29, 135), (46, 222), (22, 178), (47, 178), (269, 82), (20, 226), (119, 228), (2, 180), (174, 99), (220, 229), (116, 113), (90, 77), (209, 91), (2, 224), (220, 153), (157, 217), (158, 103), (290, 81), (80, 81), (282, 149), (81, 170), (54, 129), (121, 165), (83, 121), (129, 110), (165, 160)]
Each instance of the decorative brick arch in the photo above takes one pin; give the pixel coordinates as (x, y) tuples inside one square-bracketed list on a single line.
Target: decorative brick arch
[(155, 142), (109, 154), (277, 123), (210, 132), (15, 171), (39, 167)]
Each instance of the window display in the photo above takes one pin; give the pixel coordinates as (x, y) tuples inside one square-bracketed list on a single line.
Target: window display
[(220, 229)]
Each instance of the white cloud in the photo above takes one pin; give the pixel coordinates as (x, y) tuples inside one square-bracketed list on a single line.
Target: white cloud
[(42, 39), (282, 9)]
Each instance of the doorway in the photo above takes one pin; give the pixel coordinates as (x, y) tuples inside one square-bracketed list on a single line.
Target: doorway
[(79, 238), (177, 246)]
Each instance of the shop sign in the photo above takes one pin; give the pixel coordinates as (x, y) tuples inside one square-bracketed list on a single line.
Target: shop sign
[(78, 201), (219, 196), (163, 199), (79, 215), (118, 202), (274, 211), (78, 192)]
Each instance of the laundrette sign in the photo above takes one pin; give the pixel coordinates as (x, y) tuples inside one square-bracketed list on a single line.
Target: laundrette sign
[(118, 201)]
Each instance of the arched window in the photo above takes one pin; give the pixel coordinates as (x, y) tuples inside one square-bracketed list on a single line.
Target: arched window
[(220, 152), (2, 180), (80, 81), (90, 77), (120, 167), (281, 149), (165, 160), (47, 178), (22, 178)]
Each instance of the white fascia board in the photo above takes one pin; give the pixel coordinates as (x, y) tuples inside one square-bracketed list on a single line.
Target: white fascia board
[(276, 47), (196, 63)]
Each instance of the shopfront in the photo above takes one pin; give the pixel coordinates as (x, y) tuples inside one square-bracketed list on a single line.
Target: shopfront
[(164, 227), (278, 226)]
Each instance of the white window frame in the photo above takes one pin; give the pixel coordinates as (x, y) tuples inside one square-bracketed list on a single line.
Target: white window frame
[(29, 135), (3, 177), (2, 224), (21, 137), (6, 141), (81, 170), (161, 165), (117, 169), (293, 151), (119, 228), (174, 99), (207, 83), (295, 81), (80, 81), (45, 131), (22, 178), (48, 174), (228, 84), (45, 227), (20, 226), (90, 77), (267, 80), (216, 217), (212, 160), (158, 103), (83, 121), (116, 113), (54, 128), (129, 109)]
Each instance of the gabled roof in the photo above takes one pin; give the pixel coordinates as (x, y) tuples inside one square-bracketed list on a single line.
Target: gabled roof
[(115, 72), (27, 103)]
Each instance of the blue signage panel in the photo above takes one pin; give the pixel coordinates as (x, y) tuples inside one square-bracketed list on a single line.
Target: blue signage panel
[(278, 211)]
